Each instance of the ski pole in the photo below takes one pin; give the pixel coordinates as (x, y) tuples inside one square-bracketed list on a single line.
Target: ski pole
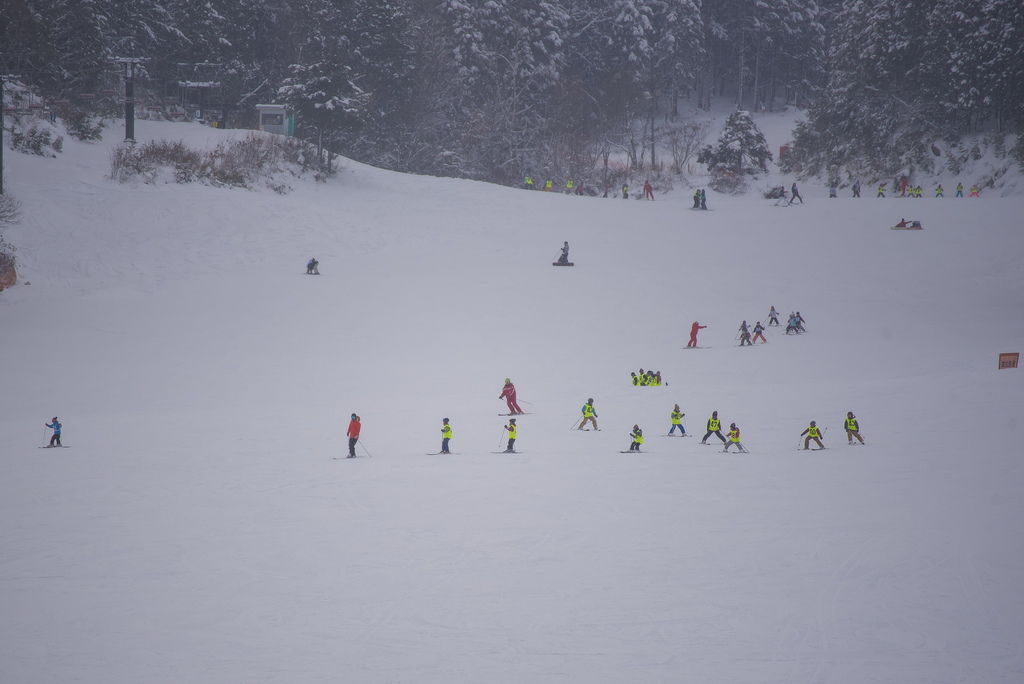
[(573, 425), (501, 438), (368, 454)]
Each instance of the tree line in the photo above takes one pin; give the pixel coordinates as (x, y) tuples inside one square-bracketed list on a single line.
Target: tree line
[(496, 89)]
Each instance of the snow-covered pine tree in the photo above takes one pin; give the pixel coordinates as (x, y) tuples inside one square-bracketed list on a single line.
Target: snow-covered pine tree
[(741, 151)]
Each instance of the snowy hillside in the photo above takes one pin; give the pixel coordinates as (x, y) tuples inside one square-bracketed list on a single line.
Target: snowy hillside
[(200, 529)]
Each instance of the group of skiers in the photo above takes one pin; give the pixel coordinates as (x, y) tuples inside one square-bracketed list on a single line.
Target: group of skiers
[(647, 378), (905, 189), (700, 199), (744, 334), (572, 187), (795, 325)]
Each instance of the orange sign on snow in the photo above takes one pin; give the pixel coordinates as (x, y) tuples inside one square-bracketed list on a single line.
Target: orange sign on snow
[(1009, 360)]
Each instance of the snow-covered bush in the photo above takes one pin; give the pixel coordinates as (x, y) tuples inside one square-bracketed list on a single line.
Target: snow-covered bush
[(82, 126), (36, 140), (9, 212), (237, 163)]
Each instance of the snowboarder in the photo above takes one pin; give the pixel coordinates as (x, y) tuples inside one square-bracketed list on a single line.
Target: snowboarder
[(745, 335), (677, 421), (696, 198), (625, 191), (856, 188), (637, 435), (959, 190), (704, 199), (564, 259), (852, 428), (55, 426), (881, 190), (588, 414), (813, 432), (759, 332), (508, 393), (313, 267), (714, 428), (795, 194), (773, 316), (648, 190), (734, 438), (693, 334), (354, 426), (512, 434), (446, 434)]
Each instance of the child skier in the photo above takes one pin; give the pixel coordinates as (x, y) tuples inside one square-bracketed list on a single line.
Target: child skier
[(759, 332), (55, 426), (714, 428), (588, 414), (648, 190), (313, 267), (512, 434), (745, 335), (637, 435), (734, 438), (813, 432), (677, 422), (773, 316), (852, 428), (446, 434), (508, 393)]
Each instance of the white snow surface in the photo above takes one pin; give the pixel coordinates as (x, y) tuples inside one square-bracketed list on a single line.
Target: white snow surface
[(199, 529)]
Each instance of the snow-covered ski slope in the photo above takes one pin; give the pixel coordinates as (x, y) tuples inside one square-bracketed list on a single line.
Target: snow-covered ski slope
[(200, 531)]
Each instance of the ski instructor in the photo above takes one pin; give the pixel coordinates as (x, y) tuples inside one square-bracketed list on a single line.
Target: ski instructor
[(508, 393), (692, 344)]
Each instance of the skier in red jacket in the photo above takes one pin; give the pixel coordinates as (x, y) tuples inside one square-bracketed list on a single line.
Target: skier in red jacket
[(693, 334), (508, 393), (354, 427)]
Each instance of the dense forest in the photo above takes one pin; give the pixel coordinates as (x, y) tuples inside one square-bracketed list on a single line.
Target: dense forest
[(494, 89)]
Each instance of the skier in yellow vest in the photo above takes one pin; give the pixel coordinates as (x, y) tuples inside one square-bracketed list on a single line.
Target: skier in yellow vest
[(446, 434), (512, 434), (812, 432), (637, 435), (714, 428), (677, 422), (852, 428), (528, 183), (588, 414), (734, 438), (569, 185)]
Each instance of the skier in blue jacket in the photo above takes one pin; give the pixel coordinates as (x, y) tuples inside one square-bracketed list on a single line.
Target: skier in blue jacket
[(55, 426)]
